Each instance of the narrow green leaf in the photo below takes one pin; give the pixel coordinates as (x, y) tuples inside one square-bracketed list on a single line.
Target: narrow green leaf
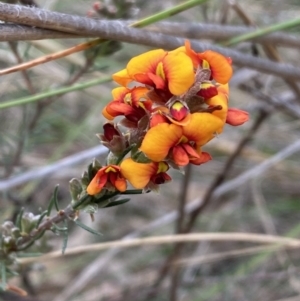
[(50, 206), (85, 227), (43, 214), (133, 191), (11, 273), (19, 219), (91, 172), (84, 199), (107, 197), (117, 203), (25, 247), (65, 238), (55, 199)]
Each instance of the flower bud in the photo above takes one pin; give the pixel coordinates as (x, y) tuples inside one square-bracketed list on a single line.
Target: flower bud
[(179, 110), (75, 189), (28, 222), (113, 139), (236, 117)]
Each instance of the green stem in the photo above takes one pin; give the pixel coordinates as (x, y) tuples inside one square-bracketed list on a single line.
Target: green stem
[(126, 151), (80, 201), (28, 99), (167, 13), (262, 31)]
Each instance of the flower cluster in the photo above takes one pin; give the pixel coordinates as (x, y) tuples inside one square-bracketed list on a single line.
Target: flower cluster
[(171, 104)]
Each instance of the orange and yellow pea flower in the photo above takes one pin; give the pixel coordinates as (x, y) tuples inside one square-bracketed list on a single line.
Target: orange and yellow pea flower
[(183, 142), (174, 134), (159, 69), (132, 103), (219, 65), (140, 175), (108, 177)]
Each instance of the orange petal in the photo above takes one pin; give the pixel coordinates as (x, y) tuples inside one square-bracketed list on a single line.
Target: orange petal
[(106, 114), (157, 119), (138, 174), (202, 128), (204, 157), (220, 68), (236, 117), (191, 53), (179, 71), (97, 183), (146, 62), (159, 139), (159, 82), (138, 94), (180, 156), (121, 184), (116, 108), (122, 77)]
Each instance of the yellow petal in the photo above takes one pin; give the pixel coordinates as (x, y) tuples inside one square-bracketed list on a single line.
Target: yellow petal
[(159, 139), (146, 62), (138, 174), (220, 100), (119, 93), (202, 128), (122, 77), (179, 71)]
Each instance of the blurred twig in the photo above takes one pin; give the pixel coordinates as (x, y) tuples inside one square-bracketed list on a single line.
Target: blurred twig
[(100, 264), (219, 179), (225, 255), (179, 229), (261, 118), (189, 30), (115, 30), (38, 173), (168, 239)]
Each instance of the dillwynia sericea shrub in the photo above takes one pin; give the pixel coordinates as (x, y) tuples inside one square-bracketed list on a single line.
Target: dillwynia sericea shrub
[(171, 104)]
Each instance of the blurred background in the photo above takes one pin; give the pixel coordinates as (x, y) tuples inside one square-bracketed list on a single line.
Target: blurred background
[(40, 134)]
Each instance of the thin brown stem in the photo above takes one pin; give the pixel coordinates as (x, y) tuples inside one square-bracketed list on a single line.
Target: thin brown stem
[(115, 30), (175, 278), (209, 194), (263, 114), (31, 89)]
